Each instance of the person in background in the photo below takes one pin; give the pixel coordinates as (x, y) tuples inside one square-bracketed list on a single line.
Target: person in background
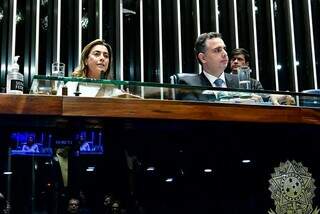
[(73, 206), (112, 206), (84, 208), (239, 57), (96, 59), (116, 208), (107, 203), (4, 205)]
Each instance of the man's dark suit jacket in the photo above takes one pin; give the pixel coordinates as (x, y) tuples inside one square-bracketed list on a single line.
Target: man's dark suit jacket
[(201, 80), (231, 81)]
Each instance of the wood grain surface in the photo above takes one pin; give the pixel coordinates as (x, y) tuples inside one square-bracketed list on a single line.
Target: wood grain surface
[(178, 110), (30, 104), (153, 109)]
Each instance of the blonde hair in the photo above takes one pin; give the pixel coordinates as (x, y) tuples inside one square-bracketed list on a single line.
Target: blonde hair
[(82, 69)]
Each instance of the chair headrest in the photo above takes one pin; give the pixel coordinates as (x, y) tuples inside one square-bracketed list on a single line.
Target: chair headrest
[(176, 77), (312, 91)]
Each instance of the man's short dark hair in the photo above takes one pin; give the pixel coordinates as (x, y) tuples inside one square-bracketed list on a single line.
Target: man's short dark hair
[(239, 51), (200, 45)]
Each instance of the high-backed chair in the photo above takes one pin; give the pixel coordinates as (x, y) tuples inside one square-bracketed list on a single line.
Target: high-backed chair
[(310, 101), (312, 91), (191, 95), (174, 79)]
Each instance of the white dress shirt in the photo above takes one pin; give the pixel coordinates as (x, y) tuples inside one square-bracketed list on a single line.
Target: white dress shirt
[(212, 78)]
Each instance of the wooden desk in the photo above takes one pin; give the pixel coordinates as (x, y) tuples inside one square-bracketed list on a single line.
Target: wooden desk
[(153, 109)]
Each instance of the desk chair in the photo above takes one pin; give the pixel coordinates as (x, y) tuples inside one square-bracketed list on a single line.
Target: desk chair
[(174, 79), (312, 91), (311, 101)]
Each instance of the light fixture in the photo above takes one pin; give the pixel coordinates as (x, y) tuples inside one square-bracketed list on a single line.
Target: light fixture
[(151, 168), (90, 169), (279, 67), (207, 170), (246, 161), (7, 173), (1, 14), (169, 180)]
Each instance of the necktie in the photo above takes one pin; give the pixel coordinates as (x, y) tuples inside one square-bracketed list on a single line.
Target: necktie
[(218, 82)]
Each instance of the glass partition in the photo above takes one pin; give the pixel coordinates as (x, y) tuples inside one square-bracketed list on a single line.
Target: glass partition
[(145, 90)]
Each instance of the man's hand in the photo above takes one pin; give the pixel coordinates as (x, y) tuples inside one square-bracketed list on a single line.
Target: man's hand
[(257, 98)]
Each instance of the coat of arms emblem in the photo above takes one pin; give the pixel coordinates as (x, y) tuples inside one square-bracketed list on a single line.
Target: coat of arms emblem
[(292, 189)]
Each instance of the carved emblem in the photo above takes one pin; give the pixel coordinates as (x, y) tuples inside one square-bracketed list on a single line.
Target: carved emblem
[(292, 188)]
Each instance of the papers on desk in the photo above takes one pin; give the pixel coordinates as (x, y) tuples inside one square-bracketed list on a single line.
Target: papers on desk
[(236, 97), (95, 90), (85, 90)]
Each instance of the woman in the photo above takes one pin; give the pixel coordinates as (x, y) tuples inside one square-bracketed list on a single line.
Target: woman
[(96, 58), (30, 146), (95, 63)]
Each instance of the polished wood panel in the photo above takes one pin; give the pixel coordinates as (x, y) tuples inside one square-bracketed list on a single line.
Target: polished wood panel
[(310, 116), (153, 109), (177, 110), (30, 104)]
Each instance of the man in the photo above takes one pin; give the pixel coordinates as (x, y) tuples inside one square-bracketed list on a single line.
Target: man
[(239, 57), (73, 205), (210, 51), (212, 56), (107, 203)]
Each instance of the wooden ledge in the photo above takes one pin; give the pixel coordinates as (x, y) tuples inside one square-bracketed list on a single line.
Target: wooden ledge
[(30, 104), (153, 109), (177, 110)]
